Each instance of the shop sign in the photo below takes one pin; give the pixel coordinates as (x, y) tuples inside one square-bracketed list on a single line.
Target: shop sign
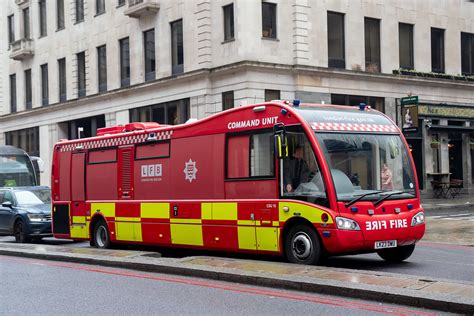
[(409, 100), (410, 118), (446, 111)]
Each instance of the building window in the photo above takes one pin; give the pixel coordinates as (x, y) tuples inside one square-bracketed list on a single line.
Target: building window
[(354, 100), (120, 3), (42, 18), (177, 47), (228, 22), (79, 11), (124, 62), (171, 113), (437, 50), (44, 85), (60, 14), (86, 127), (336, 54), (372, 45), (102, 67), (227, 100), (149, 49), (11, 29), (62, 79), (99, 6), (405, 45), (269, 20), (26, 23), (26, 139), (467, 55), (272, 95), (81, 74), (28, 92), (13, 93)]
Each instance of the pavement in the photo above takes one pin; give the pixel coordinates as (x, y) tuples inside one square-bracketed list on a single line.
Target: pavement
[(438, 294)]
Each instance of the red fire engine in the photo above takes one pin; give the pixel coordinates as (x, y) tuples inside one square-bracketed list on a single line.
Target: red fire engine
[(305, 181)]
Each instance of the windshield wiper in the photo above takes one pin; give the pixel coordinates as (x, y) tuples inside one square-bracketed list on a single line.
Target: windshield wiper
[(386, 196), (361, 196)]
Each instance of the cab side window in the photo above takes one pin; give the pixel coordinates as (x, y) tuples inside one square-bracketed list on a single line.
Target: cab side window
[(8, 197), (2, 193)]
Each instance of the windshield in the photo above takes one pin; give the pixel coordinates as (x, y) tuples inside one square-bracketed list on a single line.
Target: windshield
[(34, 197), (368, 163), (16, 170)]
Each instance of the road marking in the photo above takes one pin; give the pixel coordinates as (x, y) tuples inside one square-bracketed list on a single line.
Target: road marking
[(232, 288)]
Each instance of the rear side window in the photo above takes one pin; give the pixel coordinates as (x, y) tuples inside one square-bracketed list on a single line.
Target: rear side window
[(155, 150), (103, 156), (250, 156)]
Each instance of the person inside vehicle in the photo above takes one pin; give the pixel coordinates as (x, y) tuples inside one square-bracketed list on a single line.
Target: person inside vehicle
[(386, 175), (296, 170)]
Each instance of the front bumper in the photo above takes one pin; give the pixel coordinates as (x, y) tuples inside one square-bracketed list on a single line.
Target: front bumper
[(40, 229), (340, 241)]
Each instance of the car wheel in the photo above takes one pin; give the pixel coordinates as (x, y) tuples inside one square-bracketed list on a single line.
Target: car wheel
[(19, 231), (302, 245), (101, 235), (397, 254)]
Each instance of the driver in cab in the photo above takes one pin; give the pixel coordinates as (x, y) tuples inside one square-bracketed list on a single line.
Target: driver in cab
[(296, 170)]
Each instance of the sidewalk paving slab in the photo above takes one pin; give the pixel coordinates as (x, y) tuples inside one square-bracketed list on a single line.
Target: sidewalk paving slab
[(438, 294)]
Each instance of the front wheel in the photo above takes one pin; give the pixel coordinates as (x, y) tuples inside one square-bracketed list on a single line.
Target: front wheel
[(20, 233), (101, 235), (302, 245), (397, 254)]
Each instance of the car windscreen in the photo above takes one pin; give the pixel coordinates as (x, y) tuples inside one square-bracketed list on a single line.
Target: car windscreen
[(33, 197), (373, 165)]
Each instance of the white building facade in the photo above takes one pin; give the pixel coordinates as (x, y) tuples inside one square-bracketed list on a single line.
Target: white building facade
[(68, 66)]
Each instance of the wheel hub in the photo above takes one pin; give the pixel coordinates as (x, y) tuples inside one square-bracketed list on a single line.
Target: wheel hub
[(101, 237), (302, 246)]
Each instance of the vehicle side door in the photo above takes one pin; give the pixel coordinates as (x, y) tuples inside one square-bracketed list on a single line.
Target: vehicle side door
[(7, 214)]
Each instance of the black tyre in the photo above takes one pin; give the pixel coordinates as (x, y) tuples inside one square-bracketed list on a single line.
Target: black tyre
[(101, 236), (20, 233), (302, 245), (397, 254)]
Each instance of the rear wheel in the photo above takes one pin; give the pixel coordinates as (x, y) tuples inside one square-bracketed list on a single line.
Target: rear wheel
[(101, 235), (397, 254), (20, 233), (302, 245)]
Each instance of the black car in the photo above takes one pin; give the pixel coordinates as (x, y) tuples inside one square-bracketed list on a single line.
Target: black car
[(25, 212)]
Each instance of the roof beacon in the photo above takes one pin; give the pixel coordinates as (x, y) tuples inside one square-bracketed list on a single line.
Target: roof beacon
[(362, 106), (296, 102)]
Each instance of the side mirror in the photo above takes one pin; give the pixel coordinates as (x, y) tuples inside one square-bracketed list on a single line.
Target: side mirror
[(7, 204), (280, 140), (38, 164)]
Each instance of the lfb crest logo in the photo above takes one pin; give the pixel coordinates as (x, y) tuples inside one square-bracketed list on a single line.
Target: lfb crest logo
[(190, 170)]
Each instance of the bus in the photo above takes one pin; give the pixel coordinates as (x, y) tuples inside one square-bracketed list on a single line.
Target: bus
[(299, 180), (17, 168)]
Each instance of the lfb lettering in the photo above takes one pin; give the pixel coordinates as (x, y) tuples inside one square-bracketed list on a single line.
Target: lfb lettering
[(151, 170), (393, 223)]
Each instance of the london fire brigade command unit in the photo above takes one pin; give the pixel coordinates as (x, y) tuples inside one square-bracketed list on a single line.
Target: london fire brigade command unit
[(305, 181)]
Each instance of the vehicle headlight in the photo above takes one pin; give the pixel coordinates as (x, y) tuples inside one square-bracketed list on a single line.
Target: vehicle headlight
[(347, 224), (37, 217), (418, 219)]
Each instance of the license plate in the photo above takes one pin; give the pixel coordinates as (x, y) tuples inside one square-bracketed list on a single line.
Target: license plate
[(385, 244)]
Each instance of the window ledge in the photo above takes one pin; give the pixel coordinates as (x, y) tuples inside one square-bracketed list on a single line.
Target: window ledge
[(60, 29), (270, 39), (230, 40), (41, 36), (99, 13), (80, 21), (120, 5)]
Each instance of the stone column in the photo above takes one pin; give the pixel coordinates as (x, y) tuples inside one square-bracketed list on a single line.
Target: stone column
[(466, 162), (122, 117), (444, 150)]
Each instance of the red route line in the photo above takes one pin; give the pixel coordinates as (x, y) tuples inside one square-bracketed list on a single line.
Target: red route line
[(442, 245), (233, 288)]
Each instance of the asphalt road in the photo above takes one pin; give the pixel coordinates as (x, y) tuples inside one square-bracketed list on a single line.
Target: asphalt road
[(55, 288)]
